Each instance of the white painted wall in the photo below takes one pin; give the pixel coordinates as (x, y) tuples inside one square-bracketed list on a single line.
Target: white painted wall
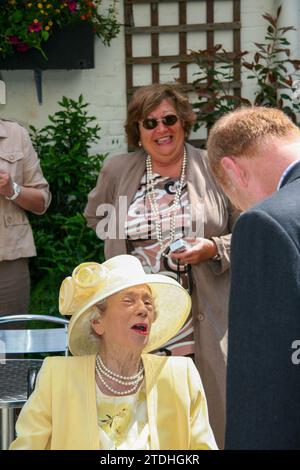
[(104, 86), (254, 28)]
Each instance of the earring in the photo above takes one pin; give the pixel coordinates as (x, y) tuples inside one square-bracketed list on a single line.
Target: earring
[(140, 143)]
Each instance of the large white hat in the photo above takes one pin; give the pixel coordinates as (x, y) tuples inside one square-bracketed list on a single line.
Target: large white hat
[(92, 282)]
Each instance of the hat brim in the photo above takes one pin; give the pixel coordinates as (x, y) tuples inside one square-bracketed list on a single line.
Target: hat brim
[(172, 304)]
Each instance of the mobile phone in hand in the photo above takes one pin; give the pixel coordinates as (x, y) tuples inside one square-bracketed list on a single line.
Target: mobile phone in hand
[(178, 246)]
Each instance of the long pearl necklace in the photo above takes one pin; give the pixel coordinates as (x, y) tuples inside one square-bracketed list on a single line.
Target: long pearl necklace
[(103, 371), (154, 205)]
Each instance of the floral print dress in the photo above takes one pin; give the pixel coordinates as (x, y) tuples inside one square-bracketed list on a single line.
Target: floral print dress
[(123, 421)]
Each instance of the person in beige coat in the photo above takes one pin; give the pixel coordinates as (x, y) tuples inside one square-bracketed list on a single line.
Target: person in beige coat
[(161, 197), (22, 188)]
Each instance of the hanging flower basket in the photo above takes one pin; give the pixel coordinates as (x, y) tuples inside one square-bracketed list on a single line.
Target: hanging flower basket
[(71, 47), (56, 34)]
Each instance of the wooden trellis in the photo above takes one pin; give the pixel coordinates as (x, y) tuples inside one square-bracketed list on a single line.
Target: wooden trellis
[(208, 26)]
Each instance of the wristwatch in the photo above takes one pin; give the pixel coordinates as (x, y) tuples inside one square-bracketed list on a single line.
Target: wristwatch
[(17, 190), (217, 257)]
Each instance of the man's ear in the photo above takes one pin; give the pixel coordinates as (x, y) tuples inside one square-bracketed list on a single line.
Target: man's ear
[(234, 171)]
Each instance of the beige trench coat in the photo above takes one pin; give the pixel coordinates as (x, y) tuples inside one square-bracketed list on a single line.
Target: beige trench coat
[(19, 159), (121, 176)]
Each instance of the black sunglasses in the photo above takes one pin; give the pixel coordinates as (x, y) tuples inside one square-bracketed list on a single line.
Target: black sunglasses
[(152, 123)]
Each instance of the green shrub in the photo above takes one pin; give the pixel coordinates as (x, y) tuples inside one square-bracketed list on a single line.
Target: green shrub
[(62, 238), (213, 85), (273, 70), (275, 73)]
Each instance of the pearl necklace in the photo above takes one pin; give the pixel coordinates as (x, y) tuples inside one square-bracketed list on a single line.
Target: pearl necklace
[(135, 380), (125, 379), (154, 205)]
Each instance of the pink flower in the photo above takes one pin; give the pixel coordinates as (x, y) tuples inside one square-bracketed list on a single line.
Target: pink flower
[(19, 46), (13, 39), (72, 4), (22, 47), (35, 27)]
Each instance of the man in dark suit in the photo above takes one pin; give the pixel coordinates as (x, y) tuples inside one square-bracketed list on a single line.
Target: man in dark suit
[(255, 155)]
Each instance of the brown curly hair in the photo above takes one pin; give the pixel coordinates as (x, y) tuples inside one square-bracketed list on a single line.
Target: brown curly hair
[(147, 98)]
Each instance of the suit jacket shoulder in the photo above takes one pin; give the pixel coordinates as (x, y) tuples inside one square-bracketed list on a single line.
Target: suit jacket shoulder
[(282, 207)]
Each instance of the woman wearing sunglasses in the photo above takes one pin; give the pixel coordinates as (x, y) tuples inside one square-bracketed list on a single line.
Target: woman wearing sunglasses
[(162, 205)]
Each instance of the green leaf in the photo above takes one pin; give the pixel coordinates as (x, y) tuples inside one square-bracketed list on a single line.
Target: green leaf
[(45, 35)]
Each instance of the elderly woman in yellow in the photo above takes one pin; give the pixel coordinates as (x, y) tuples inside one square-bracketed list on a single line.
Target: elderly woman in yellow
[(111, 394)]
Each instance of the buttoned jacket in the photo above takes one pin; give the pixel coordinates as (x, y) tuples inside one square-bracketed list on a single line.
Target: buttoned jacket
[(61, 413), (19, 159), (263, 410)]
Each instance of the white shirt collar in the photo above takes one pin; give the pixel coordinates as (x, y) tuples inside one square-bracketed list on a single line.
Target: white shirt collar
[(285, 173)]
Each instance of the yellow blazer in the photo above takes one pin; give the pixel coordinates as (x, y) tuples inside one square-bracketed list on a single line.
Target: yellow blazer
[(61, 413)]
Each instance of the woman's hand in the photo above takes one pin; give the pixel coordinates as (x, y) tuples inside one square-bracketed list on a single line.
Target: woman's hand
[(30, 199), (201, 249), (6, 187)]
